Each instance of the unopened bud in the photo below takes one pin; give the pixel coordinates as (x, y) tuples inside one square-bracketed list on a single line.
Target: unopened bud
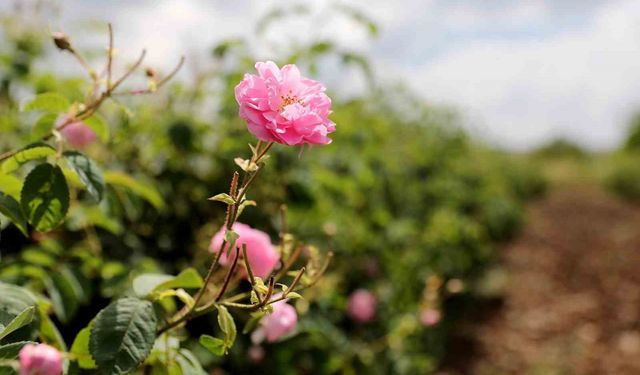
[(61, 41), (150, 72)]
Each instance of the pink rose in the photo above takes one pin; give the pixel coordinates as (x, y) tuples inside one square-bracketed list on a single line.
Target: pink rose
[(361, 306), (263, 257), (430, 317), (279, 105), (77, 134), (280, 322), (40, 359)]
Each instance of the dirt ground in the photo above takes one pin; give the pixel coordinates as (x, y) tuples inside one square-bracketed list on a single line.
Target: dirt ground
[(572, 301)]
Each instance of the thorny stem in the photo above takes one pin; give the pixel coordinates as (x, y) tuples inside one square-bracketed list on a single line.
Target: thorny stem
[(232, 214), (225, 285)]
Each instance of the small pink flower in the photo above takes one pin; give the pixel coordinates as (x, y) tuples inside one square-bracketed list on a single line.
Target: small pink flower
[(430, 317), (281, 321), (361, 306), (40, 359), (77, 134), (256, 353), (279, 105), (263, 257)]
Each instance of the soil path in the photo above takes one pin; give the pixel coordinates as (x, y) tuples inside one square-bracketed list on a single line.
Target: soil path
[(572, 302)]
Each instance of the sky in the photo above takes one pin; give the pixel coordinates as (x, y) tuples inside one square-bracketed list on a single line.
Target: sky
[(520, 72)]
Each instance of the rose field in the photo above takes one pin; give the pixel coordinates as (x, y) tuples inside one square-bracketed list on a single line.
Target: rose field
[(268, 206)]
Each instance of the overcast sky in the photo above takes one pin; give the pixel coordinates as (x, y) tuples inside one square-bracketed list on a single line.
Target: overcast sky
[(521, 71)]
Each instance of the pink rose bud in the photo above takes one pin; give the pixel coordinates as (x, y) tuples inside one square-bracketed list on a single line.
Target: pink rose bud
[(40, 359), (256, 353), (281, 321), (361, 306), (279, 105), (263, 257), (430, 317), (77, 134)]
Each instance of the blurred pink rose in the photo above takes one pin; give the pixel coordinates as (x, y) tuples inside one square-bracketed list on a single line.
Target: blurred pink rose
[(263, 257), (361, 306), (280, 322), (279, 105), (40, 359), (256, 353), (430, 317), (77, 134)]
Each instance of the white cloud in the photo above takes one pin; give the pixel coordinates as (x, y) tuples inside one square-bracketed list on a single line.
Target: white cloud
[(579, 84)]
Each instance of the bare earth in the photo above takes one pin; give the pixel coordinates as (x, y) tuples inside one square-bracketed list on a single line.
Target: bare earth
[(572, 301)]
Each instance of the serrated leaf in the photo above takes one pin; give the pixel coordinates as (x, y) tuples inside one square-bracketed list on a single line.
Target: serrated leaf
[(88, 172), (99, 126), (227, 325), (45, 197), (43, 126), (223, 197), (122, 335), (143, 190), (50, 102), (80, 348), (25, 317), (29, 153), (10, 185), (213, 344), (10, 208)]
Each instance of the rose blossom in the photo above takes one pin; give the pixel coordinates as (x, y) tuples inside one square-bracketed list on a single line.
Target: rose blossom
[(430, 317), (361, 306), (279, 105), (280, 322), (40, 359), (77, 133), (263, 257)]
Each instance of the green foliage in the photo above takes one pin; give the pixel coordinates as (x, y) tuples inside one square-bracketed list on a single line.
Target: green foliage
[(122, 335), (561, 148), (29, 153), (45, 197), (49, 102), (11, 209), (88, 172)]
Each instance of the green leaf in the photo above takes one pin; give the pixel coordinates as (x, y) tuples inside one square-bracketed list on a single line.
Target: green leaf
[(24, 318), (43, 126), (14, 300), (146, 284), (227, 325), (88, 171), (213, 344), (80, 348), (10, 351), (223, 197), (50, 102), (231, 237), (99, 126), (145, 191), (189, 278), (32, 152), (123, 335), (189, 364), (63, 296), (37, 256), (10, 208), (10, 185), (49, 334), (45, 197)]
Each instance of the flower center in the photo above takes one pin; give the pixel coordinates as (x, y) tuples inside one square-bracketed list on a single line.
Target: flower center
[(288, 100)]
